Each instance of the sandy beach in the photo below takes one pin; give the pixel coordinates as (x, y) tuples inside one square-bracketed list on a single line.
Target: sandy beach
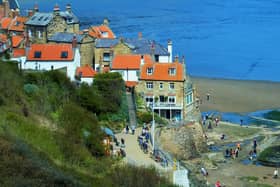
[(237, 95)]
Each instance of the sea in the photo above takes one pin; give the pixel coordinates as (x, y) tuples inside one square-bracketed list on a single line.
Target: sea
[(230, 39)]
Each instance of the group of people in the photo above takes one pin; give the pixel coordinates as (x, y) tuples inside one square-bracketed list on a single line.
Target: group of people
[(207, 119), (253, 153), (233, 153), (132, 129), (144, 138)]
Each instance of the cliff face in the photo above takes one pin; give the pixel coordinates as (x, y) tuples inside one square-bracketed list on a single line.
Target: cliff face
[(184, 142)]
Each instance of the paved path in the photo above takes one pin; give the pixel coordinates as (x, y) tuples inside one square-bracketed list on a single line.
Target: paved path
[(131, 109), (135, 155)]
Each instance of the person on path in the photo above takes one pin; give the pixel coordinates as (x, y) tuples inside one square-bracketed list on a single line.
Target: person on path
[(204, 172), (218, 184), (127, 129), (275, 173), (255, 144), (236, 152), (133, 129), (241, 122), (238, 145), (216, 121)]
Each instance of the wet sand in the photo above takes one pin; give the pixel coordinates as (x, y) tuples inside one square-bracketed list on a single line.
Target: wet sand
[(237, 95)]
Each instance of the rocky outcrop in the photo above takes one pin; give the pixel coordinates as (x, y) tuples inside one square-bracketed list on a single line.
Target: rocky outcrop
[(184, 142)]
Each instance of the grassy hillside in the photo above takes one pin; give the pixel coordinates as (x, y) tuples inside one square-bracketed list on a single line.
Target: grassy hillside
[(50, 131)]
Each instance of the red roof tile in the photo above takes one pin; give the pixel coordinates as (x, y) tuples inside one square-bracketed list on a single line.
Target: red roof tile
[(129, 61), (3, 38), (97, 31), (130, 83), (5, 22), (50, 52), (18, 52), (85, 71), (17, 24), (161, 72), (16, 40)]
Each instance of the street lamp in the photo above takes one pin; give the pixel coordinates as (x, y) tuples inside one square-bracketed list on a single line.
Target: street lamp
[(153, 125)]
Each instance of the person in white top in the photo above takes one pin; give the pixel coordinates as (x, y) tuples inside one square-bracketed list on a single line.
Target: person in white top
[(275, 173)]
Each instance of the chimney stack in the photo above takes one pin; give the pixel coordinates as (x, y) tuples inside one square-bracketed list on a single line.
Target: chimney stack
[(142, 62), (176, 58), (153, 50), (85, 31), (56, 10), (30, 13), (139, 35), (36, 8), (106, 21), (12, 13), (169, 49), (74, 42), (17, 12), (68, 8), (6, 8)]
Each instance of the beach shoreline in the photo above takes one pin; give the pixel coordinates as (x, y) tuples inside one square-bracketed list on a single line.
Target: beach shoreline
[(231, 95)]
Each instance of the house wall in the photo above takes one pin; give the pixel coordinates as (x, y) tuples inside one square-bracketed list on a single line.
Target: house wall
[(47, 65), (87, 80), (86, 49), (132, 74), (117, 49), (58, 24), (34, 38), (163, 59), (73, 28)]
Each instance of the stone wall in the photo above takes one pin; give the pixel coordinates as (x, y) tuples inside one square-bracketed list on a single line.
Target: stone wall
[(87, 51)]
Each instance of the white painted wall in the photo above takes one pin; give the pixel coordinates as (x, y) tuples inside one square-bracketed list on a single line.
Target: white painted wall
[(130, 75), (47, 65), (87, 80), (163, 59)]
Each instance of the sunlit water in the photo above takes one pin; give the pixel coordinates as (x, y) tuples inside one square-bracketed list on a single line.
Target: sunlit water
[(219, 38)]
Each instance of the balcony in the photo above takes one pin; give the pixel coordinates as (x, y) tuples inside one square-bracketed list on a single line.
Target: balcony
[(165, 105)]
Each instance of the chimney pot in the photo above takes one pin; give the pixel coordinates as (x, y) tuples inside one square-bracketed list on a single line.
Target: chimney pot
[(74, 42), (36, 8), (139, 35), (106, 21), (68, 7)]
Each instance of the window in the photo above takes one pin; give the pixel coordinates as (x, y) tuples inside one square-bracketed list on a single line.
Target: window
[(189, 98), (37, 54), (29, 33), (105, 34), (171, 99), (161, 99), (172, 71), (149, 99), (106, 57), (157, 58), (171, 85), (64, 54), (149, 85), (149, 71), (39, 34), (161, 85)]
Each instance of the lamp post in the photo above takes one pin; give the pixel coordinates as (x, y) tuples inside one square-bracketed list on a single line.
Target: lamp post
[(153, 126)]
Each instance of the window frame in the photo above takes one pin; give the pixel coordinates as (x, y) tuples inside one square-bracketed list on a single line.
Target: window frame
[(171, 87), (149, 85)]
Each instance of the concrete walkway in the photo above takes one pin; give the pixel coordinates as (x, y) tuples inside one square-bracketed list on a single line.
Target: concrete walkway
[(135, 155), (131, 109)]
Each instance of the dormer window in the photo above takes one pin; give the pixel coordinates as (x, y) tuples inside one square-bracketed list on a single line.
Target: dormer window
[(64, 54), (37, 54), (105, 34), (172, 71), (150, 71)]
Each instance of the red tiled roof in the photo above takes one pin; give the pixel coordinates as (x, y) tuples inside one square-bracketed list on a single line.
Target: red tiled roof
[(161, 72), (17, 24), (96, 32), (50, 52), (5, 22), (130, 83), (129, 61), (16, 40), (18, 52), (85, 71), (3, 38)]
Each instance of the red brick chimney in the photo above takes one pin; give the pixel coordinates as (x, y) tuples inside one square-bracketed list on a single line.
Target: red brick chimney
[(74, 42), (36, 8), (30, 13)]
